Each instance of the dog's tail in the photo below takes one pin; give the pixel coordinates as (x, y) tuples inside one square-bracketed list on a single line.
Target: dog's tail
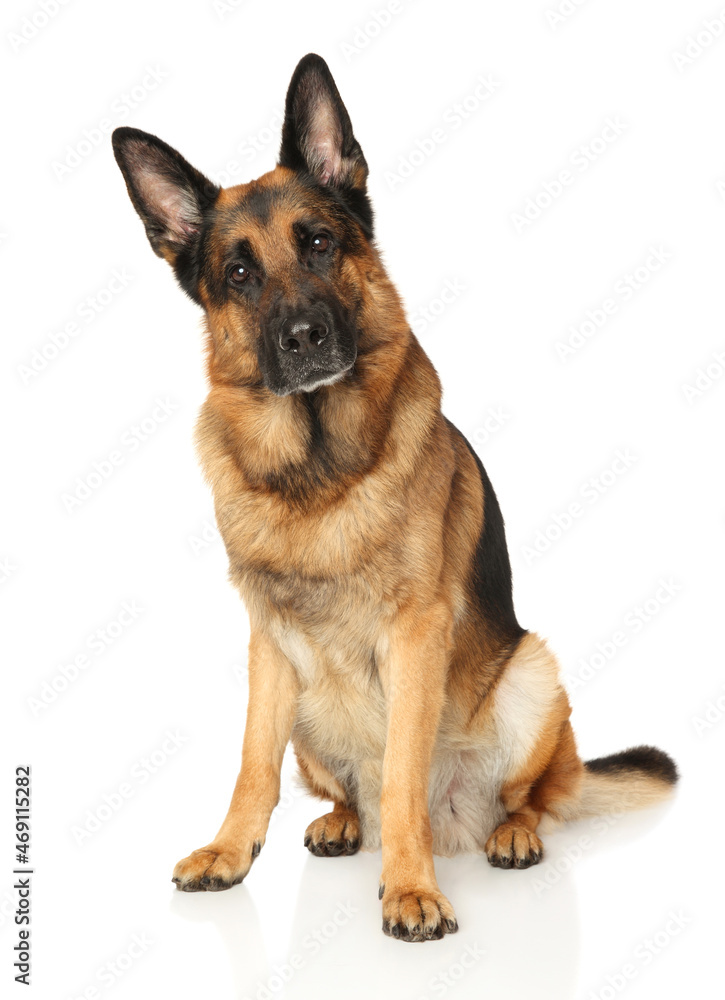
[(632, 779)]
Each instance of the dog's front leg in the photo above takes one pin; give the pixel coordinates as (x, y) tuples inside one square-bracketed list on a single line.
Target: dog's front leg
[(271, 708), (413, 671)]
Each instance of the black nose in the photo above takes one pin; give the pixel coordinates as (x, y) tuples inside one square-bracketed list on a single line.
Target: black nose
[(302, 336)]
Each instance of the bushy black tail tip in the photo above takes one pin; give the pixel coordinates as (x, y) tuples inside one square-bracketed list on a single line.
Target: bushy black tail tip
[(649, 760)]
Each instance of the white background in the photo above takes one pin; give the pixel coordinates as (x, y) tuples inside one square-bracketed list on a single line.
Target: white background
[(587, 913)]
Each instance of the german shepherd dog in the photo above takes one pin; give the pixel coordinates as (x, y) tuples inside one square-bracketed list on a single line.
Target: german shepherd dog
[(364, 537)]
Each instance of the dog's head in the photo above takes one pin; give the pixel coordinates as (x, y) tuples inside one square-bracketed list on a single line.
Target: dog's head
[(280, 264)]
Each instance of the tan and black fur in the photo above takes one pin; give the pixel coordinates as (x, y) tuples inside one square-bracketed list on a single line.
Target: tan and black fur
[(364, 537)]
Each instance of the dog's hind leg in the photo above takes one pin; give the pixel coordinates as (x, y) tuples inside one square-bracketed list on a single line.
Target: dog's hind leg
[(538, 766), (546, 782), (515, 844), (335, 833)]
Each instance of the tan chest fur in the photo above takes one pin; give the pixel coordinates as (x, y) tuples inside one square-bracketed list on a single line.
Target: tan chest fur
[(310, 584), (332, 629)]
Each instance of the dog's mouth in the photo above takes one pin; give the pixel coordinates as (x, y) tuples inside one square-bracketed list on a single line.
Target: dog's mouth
[(308, 374)]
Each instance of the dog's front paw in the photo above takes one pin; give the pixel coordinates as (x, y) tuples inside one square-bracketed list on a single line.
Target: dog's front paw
[(417, 914), (213, 868), (334, 834), (512, 846)]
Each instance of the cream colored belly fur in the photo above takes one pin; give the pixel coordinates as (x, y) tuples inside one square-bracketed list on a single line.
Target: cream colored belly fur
[(341, 720)]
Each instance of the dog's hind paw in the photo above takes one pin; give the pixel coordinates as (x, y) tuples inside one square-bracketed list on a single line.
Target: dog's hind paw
[(334, 834), (513, 846)]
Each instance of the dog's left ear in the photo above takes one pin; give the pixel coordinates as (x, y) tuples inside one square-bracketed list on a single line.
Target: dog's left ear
[(317, 136)]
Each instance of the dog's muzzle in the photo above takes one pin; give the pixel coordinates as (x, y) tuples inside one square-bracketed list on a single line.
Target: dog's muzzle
[(310, 348)]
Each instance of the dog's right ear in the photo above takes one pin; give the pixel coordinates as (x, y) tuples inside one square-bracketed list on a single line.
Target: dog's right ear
[(170, 196), (318, 140)]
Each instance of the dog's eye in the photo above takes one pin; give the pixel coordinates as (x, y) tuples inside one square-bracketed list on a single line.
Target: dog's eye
[(320, 243), (239, 274)]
